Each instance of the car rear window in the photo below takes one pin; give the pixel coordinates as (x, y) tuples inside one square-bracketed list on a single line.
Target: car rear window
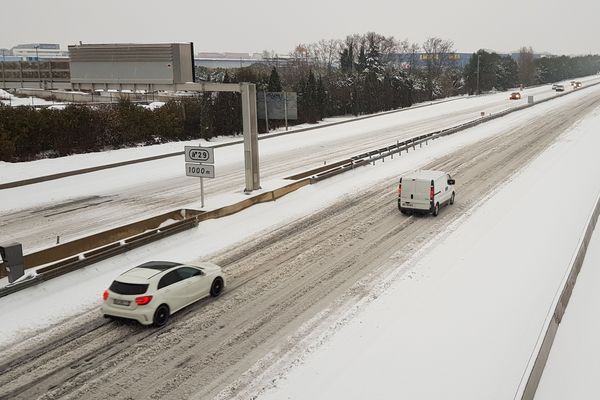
[(128, 288)]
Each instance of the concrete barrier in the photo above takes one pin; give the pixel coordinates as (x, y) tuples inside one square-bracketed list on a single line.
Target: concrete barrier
[(535, 367), (261, 198), (101, 239)]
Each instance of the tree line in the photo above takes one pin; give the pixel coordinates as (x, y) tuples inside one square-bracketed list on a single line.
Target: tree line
[(498, 72), (361, 74)]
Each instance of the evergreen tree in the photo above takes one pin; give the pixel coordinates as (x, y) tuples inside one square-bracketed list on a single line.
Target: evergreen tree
[(345, 61), (321, 99), (373, 61), (312, 110), (347, 57), (227, 111), (362, 60), (355, 99), (274, 82), (508, 72)]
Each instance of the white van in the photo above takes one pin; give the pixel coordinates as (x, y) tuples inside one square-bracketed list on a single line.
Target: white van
[(425, 192)]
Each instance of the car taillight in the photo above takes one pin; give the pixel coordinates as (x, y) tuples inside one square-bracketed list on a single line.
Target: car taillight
[(399, 189), (143, 300), (431, 194), (105, 295)]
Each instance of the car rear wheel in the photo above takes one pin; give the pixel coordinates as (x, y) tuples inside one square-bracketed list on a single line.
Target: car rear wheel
[(452, 199), (436, 209), (217, 287), (161, 315)]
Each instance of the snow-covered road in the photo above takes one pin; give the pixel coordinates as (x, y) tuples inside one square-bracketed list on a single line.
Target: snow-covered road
[(459, 301), (464, 322)]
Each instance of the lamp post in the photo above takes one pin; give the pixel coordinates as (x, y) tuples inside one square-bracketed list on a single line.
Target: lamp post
[(478, 57), (37, 58)]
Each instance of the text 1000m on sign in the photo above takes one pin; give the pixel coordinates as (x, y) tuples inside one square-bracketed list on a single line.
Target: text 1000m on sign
[(200, 170)]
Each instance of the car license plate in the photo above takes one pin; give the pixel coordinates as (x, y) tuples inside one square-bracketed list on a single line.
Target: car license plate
[(122, 302), (408, 203)]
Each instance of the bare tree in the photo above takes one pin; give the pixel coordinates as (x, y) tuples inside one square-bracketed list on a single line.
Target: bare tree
[(526, 65), (437, 58), (325, 53), (409, 54)]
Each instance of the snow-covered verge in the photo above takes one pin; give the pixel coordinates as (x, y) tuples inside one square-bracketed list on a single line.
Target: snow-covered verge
[(573, 366), (464, 323)]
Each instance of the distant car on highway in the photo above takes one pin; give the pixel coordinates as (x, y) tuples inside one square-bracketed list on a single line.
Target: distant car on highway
[(559, 88), (425, 191), (576, 85), (153, 291), (515, 96)]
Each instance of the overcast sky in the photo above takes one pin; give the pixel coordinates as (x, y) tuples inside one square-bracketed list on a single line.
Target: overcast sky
[(559, 27)]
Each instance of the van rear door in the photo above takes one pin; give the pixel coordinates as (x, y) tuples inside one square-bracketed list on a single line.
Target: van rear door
[(416, 193), (422, 190)]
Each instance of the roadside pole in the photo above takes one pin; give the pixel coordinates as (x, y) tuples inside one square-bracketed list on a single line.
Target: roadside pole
[(266, 112), (285, 109), (202, 192)]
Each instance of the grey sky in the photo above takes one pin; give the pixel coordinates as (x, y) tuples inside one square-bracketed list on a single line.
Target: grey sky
[(560, 27)]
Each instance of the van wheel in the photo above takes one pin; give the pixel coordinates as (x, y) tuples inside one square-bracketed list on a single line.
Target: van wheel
[(436, 209), (452, 199)]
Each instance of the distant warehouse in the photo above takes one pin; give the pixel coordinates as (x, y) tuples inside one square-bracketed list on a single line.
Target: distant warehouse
[(98, 65)]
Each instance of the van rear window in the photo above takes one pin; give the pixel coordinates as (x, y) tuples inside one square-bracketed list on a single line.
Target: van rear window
[(128, 288)]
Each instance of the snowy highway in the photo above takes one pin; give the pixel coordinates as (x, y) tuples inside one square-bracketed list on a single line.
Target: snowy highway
[(82, 205), (298, 267)]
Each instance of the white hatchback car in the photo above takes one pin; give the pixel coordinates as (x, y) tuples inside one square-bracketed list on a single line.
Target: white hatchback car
[(151, 292)]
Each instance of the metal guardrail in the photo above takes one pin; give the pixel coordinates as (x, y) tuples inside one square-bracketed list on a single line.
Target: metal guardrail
[(339, 167)]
